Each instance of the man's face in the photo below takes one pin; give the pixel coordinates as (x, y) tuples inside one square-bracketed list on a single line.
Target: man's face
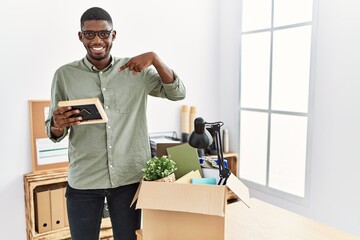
[(97, 39)]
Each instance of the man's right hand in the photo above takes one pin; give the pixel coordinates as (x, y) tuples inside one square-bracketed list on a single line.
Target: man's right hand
[(62, 118)]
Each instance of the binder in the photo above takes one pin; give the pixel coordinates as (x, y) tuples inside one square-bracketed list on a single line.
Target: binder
[(66, 219), (57, 208), (43, 211)]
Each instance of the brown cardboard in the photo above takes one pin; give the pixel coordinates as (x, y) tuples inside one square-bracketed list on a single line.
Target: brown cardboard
[(239, 188), (165, 225), (192, 198), (186, 211)]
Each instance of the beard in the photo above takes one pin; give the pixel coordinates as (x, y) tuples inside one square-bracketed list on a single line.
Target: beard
[(98, 56)]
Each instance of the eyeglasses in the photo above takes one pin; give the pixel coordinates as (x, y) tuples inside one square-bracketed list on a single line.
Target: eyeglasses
[(103, 34)]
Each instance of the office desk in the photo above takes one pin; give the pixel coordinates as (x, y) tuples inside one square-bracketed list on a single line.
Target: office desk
[(264, 221)]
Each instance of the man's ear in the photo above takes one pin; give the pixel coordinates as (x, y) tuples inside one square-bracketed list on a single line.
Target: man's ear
[(113, 34), (80, 36)]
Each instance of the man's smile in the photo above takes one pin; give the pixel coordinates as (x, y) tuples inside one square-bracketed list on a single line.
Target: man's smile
[(97, 48)]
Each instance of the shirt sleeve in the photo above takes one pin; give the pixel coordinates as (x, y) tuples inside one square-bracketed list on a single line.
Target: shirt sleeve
[(173, 91)]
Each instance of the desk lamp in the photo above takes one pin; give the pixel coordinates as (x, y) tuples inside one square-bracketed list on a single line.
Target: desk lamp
[(201, 138)]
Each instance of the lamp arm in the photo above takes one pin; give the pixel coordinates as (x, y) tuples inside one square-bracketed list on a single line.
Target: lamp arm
[(224, 172)]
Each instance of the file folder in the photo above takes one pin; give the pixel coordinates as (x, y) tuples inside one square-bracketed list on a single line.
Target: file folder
[(43, 211), (57, 208)]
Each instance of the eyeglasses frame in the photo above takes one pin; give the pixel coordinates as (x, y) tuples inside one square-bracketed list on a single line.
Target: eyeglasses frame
[(96, 33)]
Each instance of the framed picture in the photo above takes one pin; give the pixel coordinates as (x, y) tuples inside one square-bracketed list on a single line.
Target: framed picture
[(91, 110)]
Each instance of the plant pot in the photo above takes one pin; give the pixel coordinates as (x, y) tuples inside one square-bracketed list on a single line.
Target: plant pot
[(170, 178)]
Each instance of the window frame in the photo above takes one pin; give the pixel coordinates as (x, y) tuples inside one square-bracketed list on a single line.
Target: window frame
[(266, 188)]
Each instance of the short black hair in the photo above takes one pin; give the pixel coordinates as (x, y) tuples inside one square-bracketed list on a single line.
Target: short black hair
[(95, 14)]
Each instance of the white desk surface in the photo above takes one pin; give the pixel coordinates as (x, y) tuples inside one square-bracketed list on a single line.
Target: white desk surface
[(264, 221)]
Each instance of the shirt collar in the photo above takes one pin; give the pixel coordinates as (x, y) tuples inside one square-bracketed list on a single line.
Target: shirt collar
[(89, 65)]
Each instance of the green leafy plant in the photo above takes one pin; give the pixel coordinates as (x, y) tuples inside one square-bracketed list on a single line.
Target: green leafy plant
[(157, 168)]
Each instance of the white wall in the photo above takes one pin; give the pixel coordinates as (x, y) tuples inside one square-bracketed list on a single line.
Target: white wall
[(334, 153), (38, 36)]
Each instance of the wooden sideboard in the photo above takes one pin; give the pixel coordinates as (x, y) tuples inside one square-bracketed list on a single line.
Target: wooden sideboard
[(53, 178)]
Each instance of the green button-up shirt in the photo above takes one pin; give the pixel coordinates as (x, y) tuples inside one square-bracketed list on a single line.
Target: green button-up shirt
[(112, 154)]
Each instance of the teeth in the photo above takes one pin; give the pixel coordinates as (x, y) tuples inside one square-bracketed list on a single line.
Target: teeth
[(97, 48)]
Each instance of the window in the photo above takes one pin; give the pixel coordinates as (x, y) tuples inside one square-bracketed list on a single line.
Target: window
[(274, 93)]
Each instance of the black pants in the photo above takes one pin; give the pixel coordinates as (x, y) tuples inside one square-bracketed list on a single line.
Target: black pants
[(85, 209)]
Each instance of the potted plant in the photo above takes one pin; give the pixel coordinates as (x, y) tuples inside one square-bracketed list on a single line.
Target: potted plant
[(160, 169)]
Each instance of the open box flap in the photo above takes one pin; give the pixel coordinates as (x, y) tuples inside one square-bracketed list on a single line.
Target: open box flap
[(239, 188), (136, 195), (192, 198)]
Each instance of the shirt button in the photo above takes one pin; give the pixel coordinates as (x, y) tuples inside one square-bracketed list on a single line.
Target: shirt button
[(101, 72), (104, 89), (108, 126), (110, 147), (111, 165), (106, 107)]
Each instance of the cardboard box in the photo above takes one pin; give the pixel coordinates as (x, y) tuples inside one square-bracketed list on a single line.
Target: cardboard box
[(187, 211)]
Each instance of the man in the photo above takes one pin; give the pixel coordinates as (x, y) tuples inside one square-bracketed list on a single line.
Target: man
[(106, 160)]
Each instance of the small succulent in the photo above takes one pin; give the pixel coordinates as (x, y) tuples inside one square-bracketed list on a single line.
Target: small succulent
[(159, 167)]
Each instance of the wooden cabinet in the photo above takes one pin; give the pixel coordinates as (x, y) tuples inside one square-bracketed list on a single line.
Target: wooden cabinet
[(232, 159), (34, 181)]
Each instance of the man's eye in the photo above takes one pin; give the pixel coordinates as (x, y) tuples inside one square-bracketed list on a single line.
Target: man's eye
[(89, 34), (103, 34)]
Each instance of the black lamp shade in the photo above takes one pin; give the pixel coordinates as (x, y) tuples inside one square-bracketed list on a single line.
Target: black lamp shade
[(200, 137)]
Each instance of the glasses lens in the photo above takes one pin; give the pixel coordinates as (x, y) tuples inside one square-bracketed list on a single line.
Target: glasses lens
[(104, 34), (89, 34)]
